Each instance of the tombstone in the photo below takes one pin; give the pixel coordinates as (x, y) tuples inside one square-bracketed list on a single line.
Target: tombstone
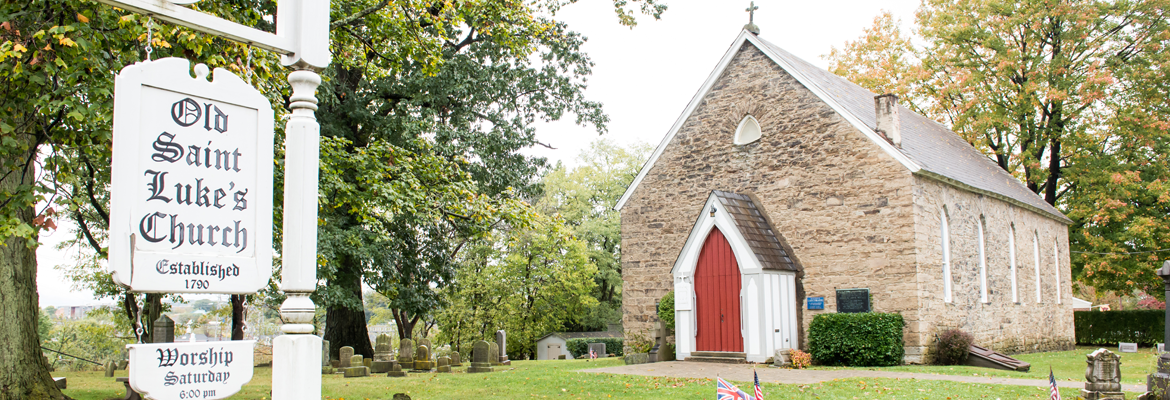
[(110, 368), (406, 354), (502, 340), (395, 370), (344, 356), (382, 350), (455, 361), (480, 357), (1127, 347), (122, 365), (1161, 348), (1104, 376), (444, 364), (598, 349), (422, 359), (325, 353), (401, 396), (424, 342), (357, 367), (494, 348), (164, 330)]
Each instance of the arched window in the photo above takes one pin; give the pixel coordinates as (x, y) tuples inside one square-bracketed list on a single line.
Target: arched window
[(748, 130), (1036, 262), (946, 256), (982, 261), (1012, 259)]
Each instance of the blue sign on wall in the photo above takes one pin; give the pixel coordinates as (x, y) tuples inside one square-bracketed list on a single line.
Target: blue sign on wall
[(816, 303)]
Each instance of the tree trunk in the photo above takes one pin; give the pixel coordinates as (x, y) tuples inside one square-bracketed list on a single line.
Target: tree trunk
[(345, 326), (24, 372), (238, 316)]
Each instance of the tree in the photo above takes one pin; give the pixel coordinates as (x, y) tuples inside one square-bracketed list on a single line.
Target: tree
[(585, 198), (1066, 95)]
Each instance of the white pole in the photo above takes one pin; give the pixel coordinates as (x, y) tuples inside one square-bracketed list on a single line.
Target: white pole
[(296, 355)]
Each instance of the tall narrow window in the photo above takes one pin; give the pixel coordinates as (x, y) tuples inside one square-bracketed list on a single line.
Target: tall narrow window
[(1036, 262), (946, 255), (1056, 267), (982, 261), (748, 130), (1012, 259)]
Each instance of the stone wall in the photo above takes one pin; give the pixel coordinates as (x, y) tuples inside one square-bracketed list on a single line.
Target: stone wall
[(1001, 323), (845, 207)]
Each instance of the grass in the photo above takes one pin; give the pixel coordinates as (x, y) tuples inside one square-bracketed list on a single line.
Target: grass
[(1066, 366), (559, 379)]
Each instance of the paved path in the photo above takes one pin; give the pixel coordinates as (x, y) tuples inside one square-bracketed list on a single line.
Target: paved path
[(743, 373)]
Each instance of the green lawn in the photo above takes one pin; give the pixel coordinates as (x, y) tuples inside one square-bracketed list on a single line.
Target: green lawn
[(1066, 365), (559, 379)]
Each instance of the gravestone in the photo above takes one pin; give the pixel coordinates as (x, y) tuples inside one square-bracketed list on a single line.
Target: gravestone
[(480, 357), (852, 300), (1127, 347), (494, 348), (444, 364), (424, 342), (422, 359), (1161, 348), (455, 361), (357, 368), (382, 350), (1103, 373), (396, 370), (502, 340), (110, 368), (325, 353), (345, 355), (164, 330), (401, 396), (406, 354), (599, 349)]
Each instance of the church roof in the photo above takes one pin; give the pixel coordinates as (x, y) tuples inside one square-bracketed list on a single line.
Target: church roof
[(759, 235), (928, 148)]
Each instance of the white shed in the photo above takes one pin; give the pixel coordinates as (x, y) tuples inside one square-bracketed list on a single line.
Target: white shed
[(552, 345)]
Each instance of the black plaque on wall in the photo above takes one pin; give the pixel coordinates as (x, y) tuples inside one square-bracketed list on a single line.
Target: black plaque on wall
[(852, 300)]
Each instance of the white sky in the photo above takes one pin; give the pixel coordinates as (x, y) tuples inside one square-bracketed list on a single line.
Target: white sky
[(644, 76)]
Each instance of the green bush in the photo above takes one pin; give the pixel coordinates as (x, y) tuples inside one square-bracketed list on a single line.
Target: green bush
[(666, 310), (1107, 328), (954, 346), (580, 347), (858, 340)]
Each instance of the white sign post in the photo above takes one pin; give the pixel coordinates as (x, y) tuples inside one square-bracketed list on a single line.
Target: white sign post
[(302, 37)]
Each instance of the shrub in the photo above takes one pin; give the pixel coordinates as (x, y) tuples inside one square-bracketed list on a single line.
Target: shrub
[(954, 346), (800, 359), (666, 310), (580, 347), (1107, 328), (639, 342), (861, 340)]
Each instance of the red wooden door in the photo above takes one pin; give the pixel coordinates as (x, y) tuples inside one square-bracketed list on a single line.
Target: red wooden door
[(717, 285)]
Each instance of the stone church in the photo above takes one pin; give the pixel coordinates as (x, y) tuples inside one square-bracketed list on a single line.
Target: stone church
[(782, 184)]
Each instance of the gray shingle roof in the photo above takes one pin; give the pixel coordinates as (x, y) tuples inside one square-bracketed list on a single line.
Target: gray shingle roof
[(934, 147), (769, 248)]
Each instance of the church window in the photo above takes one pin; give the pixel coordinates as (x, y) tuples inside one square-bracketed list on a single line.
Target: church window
[(1036, 262), (946, 255), (1012, 260), (748, 130), (1056, 267), (982, 261)]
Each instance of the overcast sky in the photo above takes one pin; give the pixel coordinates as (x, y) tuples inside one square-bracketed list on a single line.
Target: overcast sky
[(644, 76)]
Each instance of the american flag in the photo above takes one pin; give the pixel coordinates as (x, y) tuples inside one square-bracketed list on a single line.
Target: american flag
[(759, 392), (1053, 393), (592, 354), (727, 391)]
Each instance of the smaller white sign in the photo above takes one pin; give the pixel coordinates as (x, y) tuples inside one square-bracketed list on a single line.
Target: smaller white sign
[(1127, 347), (203, 370)]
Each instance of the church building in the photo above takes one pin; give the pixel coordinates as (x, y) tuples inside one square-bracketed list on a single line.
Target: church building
[(783, 186)]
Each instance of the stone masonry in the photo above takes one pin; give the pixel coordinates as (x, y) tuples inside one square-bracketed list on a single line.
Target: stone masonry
[(853, 215)]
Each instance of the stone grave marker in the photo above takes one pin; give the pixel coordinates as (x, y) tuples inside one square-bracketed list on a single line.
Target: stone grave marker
[(422, 359), (1103, 375), (494, 348), (444, 364), (406, 354), (1127, 347), (502, 341), (455, 361), (325, 353), (346, 355), (382, 350), (110, 368), (357, 367), (599, 349), (164, 330), (1161, 348), (480, 357), (396, 370), (424, 342)]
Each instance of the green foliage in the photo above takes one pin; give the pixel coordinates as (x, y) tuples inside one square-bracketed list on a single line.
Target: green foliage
[(856, 339), (1108, 328), (579, 348), (44, 324), (953, 347), (666, 310), (101, 336)]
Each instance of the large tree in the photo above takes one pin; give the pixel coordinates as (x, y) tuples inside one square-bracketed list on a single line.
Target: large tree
[(1067, 95)]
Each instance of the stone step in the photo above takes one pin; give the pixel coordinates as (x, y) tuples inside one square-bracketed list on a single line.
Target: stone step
[(724, 354), (725, 357)]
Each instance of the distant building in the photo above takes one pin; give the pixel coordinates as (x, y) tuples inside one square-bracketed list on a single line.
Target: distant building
[(553, 345), (73, 312)]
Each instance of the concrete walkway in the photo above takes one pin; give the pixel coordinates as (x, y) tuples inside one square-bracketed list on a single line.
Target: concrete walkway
[(743, 373)]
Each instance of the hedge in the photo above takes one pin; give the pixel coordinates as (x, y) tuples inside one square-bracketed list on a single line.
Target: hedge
[(666, 310), (856, 339), (1107, 328), (580, 347)]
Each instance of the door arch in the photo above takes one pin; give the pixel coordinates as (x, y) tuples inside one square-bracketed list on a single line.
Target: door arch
[(717, 286)]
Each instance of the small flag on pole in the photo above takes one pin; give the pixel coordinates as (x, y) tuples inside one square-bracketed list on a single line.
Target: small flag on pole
[(759, 392), (1054, 393), (727, 391), (592, 354)]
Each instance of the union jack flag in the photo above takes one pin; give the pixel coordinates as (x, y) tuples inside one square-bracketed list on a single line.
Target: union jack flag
[(759, 392), (1053, 393), (727, 391)]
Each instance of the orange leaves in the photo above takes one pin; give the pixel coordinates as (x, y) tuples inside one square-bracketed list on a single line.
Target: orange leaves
[(45, 220)]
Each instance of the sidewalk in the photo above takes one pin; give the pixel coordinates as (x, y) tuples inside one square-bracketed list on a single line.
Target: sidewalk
[(743, 373)]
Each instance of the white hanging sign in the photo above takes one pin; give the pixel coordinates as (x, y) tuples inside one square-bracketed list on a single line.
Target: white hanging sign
[(191, 189), (203, 370)]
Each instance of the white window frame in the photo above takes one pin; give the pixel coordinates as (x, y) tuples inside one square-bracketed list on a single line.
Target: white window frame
[(739, 139), (1036, 263), (946, 253), (982, 261), (1012, 258)]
